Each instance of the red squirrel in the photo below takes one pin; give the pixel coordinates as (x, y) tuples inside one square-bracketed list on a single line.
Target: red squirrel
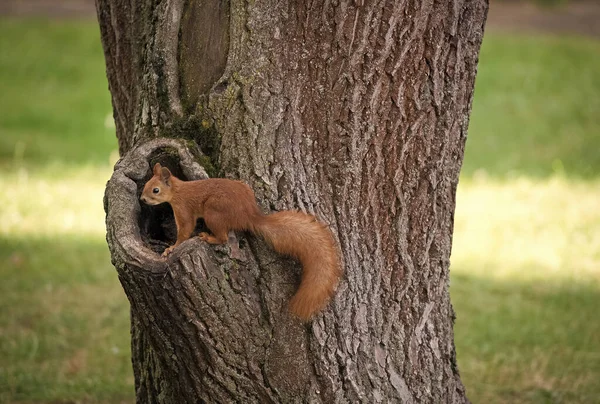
[(230, 205)]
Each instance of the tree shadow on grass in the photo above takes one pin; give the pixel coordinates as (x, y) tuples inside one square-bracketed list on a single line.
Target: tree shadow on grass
[(64, 323), (533, 342)]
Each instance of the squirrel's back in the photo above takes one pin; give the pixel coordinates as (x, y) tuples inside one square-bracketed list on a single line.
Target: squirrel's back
[(233, 200)]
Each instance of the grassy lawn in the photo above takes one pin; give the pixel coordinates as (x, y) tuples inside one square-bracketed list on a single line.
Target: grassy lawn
[(536, 107), (64, 319), (525, 284), (526, 258)]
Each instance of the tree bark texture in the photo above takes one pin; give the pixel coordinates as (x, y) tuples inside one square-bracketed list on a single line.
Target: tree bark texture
[(355, 111)]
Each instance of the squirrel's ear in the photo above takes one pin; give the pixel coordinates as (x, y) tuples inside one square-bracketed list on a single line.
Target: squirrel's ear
[(156, 169), (165, 175)]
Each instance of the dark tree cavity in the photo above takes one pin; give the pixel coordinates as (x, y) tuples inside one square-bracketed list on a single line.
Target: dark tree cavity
[(354, 111)]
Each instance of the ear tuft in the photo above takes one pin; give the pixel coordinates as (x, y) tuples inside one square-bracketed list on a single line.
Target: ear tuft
[(165, 175), (156, 169)]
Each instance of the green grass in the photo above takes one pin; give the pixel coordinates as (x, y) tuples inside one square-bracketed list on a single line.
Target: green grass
[(525, 274), (64, 328), (536, 108), (64, 319), (527, 342), (55, 102), (525, 277), (525, 284)]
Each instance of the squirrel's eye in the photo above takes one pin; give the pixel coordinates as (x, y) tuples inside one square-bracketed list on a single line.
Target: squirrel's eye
[(156, 190)]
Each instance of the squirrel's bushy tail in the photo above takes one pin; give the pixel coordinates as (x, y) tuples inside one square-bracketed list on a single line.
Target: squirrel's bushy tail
[(303, 237)]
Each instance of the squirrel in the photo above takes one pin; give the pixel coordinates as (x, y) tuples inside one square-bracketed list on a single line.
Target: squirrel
[(231, 205)]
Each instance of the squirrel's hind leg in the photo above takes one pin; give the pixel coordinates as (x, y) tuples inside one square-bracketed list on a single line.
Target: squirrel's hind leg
[(216, 225), (210, 239)]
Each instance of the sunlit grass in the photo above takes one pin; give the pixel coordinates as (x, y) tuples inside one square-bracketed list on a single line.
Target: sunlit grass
[(55, 201), (526, 229)]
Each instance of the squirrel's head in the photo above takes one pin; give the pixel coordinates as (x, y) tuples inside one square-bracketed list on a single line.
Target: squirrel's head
[(158, 188)]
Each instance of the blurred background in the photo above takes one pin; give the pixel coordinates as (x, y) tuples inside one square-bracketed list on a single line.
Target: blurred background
[(525, 272)]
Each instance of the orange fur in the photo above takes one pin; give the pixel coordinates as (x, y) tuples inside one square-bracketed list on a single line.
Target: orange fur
[(230, 205)]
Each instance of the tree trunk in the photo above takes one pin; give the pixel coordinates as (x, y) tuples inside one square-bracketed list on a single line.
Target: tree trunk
[(355, 111)]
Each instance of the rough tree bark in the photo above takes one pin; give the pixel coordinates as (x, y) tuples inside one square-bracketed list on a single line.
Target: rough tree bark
[(355, 111)]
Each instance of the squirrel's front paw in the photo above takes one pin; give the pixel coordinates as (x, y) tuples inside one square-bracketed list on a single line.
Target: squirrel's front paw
[(168, 251), (204, 236)]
